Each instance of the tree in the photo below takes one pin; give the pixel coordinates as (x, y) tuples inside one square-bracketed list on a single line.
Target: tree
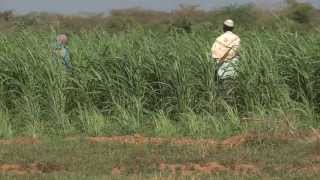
[(300, 12), (6, 15)]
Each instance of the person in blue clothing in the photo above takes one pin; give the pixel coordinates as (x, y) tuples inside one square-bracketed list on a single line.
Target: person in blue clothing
[(60, 52)]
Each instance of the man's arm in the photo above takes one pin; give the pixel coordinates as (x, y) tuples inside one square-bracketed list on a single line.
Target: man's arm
[(232, 47), (236, 45)]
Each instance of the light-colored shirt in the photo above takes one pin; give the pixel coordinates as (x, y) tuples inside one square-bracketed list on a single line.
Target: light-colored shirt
[(226, 46)]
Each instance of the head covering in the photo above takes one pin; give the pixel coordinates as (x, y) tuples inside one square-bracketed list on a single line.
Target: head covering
[(229, 23), (62, 39)]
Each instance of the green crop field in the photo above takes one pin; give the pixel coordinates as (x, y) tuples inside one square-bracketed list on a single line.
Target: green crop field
[(145, 103), (160, 84)]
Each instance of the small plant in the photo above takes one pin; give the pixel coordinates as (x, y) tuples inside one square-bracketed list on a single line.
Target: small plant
[(163, 126), (6, 129), (92, 121), (194, 124)]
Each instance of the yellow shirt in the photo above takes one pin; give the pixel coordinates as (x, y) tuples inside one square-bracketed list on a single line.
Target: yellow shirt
[(226, 46)]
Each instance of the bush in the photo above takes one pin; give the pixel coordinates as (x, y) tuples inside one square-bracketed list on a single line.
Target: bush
[(6, 15), (300, 12), (183, 19)]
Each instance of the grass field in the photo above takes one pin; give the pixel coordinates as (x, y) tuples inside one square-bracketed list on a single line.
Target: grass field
[(158, 84), (250, 156)]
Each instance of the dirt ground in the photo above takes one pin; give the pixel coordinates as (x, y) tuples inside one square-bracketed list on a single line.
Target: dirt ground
[(34, 168), (125, 155)]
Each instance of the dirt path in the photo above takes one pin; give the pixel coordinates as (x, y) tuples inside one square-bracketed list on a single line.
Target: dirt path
[(209, 168), (19, 140), (185, 168), (233, 141), (230, 142), (35, 168)]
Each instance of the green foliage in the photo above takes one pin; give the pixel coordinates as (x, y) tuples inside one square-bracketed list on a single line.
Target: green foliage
[(183, 19), (120, 82), (182, 25), (163, 126), (5, 124), (92, 121), (300, 12), (119, 23), (245, 14)]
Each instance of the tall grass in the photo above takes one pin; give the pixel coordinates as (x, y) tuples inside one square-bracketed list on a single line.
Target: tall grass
[(155, 83)]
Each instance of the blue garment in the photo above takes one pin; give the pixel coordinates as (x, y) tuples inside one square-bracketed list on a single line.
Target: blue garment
[(61, 54)]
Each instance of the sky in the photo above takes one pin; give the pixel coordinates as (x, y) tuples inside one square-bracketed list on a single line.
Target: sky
[(77, 6)]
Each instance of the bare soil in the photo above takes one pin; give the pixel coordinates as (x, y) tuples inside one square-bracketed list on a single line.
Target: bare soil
[(20, 140), (186, 168), (208, 168), (139, 139), (35, 168), (231, 142)]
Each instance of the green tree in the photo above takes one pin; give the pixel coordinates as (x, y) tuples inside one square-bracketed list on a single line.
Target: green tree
[(300, 12)]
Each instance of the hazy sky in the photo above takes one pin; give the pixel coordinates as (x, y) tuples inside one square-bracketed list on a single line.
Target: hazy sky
[(74, 6)]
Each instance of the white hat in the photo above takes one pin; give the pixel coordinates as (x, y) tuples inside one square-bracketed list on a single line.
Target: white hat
[(229, 23)]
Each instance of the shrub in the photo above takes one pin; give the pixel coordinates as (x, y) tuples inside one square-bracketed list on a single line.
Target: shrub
[(300, 12)]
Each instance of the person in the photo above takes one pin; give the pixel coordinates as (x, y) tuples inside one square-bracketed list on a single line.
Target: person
[(60, 51), (225, 51)]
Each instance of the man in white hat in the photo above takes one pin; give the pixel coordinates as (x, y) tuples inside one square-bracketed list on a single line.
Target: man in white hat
[(225, 51)]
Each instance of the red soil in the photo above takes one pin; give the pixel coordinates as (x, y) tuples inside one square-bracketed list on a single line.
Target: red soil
[(208, 168), (21, 140), (116, 171), (234, 141), (35, 168), (138, 139)]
